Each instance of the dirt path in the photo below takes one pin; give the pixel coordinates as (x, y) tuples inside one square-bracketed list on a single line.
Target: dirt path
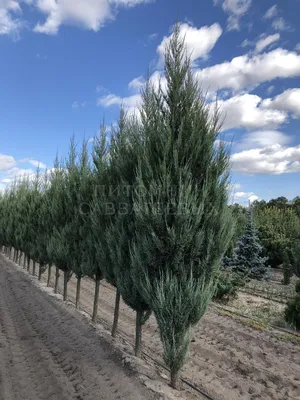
[(229, 360), (47, 353)]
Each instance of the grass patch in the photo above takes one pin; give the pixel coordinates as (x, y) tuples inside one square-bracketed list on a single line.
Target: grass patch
[(288, 337), (247, 322)]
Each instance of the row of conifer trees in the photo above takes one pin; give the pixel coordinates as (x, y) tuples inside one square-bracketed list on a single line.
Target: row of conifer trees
[(147, 210)]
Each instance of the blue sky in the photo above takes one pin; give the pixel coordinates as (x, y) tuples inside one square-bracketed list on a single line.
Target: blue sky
[(66, 65)]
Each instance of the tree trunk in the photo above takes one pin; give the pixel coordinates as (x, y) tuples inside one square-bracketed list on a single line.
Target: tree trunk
[(78, 292), (10, 253), (138, 334), (66, 278), (15, 255), (40, 271), (28, 264), (49, 275), (56, 280), (33, 268), (116, 315), (24, 260), (175, 379), (96, 298)]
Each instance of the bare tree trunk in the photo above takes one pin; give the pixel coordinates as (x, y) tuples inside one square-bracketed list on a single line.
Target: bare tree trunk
[(56, 280), (49, 275), (66, 278), (116, 314), (33, 268), (138, 334), (40, 271), (10, 253), (78, 291), (175, 379), (28, 264), (15, 256), (24, 260), (96, 298)]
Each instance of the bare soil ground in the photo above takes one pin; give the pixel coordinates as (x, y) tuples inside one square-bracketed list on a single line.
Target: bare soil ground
[(228, 360), (47, 353)]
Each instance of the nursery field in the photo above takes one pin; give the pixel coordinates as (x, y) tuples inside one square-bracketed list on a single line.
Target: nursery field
[(48, 353), (230, 358)]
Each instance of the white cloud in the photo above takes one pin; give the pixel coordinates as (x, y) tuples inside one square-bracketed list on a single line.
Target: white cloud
[(272, 160), (137, 83), (249, 71), (280, 24), (131, 104), (35, 163), (271, 12), (6, 162), (18, 172), (10, 24), (247, 197), (241, 195), (288, 101), (6, 180), (266, 41), (88, 14), (235, 186), (199, 42), (152, 36), (78, 104), (270, 89), (262, 139), (244, 111), (236, 10)]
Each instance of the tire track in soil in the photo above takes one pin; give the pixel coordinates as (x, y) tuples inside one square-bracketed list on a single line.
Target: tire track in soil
[(48, 353), (228, 360)]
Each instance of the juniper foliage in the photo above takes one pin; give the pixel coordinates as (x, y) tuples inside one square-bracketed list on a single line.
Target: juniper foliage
[(181, 220)]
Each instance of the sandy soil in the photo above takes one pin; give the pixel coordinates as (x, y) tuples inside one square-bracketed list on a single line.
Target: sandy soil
[(47, 353), (228, 360)]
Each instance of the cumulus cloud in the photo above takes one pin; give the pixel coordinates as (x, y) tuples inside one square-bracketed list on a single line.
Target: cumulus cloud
[(244, 111), (136, 83), (280, 24), (266, 41), (10, 23), (199, 42), (19, 172), (271, 12), (244, 197), (236, 9), (130, 104), (35, 163), (272, 160), (249, 71), (288, 101), (262, 139), (89, 14), (6, 162)]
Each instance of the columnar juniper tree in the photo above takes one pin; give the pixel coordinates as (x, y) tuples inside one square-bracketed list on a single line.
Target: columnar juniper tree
[(100, 218), (248, 255), (57, 247), (182, 223), (123, 160), (80, 195), (44, 228)]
